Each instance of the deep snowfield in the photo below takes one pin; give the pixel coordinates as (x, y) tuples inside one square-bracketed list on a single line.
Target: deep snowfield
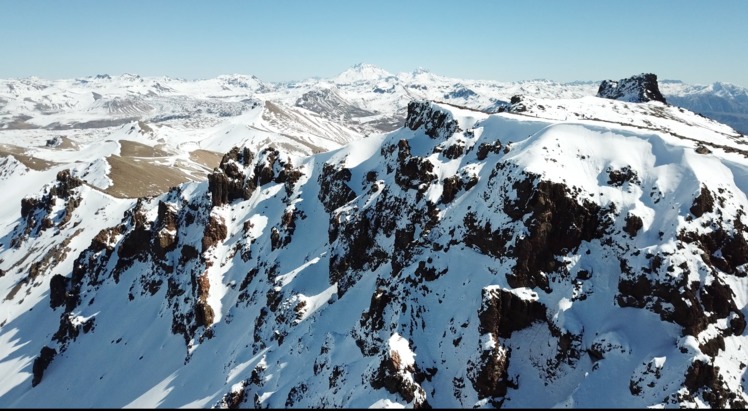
[(467, 259)]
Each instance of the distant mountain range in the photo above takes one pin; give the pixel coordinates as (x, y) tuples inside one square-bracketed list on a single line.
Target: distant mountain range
[(363, 97)]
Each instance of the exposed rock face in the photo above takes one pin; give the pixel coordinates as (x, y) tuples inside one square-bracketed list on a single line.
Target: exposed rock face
[(516, 104), (504, 312), (41, 363), (215, 231), (703, 203), (65, 184), (329, 103), (137, 242), (490, 380), (334, 191), (38, 214), (235, 399), (633, 224), (704, 307), (636, 89), (557, 226), (704, 378), (167, 229), (485, 148), (228, 183), (204, 313), (436, 123), (412, 171), (397, 375), (58, 290)]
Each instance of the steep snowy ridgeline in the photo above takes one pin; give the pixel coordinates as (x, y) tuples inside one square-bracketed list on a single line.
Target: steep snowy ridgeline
[(652, 116), (464, 260), (41, 236)]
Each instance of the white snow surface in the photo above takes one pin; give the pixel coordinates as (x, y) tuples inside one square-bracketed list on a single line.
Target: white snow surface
[(284, 334)]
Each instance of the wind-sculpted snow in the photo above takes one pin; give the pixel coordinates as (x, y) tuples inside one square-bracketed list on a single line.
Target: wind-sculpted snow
[(589, 253)]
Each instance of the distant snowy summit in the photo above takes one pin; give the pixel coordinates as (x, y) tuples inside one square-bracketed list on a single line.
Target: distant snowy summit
[(362, 72), (636, 89)]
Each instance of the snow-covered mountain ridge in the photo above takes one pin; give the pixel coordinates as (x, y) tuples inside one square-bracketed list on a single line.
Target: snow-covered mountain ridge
[(365, 94), (134, 136), (579, 252)]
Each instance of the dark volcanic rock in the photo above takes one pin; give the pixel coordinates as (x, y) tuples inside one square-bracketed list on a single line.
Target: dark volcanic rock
[(58, 287), (437, 123), (485, 148), (636, 89), (633, 224), (704, 378), (503, 312), (397, 378), (166, 237), (204, 314), (558, 224), (46, 355), (65, 184), (228, 183), (374, 317), (215, 232), (490, 380), (412, 171), (334, 192), (704, 203)]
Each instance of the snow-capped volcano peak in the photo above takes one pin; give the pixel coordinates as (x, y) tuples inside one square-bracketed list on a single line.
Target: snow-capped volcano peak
[(362, 72)]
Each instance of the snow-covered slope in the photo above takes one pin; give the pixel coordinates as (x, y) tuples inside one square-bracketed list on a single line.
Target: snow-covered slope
[(578, 252)]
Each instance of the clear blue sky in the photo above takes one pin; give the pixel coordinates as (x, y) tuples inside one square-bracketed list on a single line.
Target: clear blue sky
[(694, 41)]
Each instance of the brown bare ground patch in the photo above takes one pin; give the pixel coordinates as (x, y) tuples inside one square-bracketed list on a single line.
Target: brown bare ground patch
[(281, 115), (132, 177), (28, 161), (210, 159), (129, 148), (19, 123), (67, 144)]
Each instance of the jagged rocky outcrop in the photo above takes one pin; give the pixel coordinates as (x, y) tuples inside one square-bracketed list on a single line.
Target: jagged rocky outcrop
[(436, 123), (45, 212), (636, 89), (227, 183), (461, 261)]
